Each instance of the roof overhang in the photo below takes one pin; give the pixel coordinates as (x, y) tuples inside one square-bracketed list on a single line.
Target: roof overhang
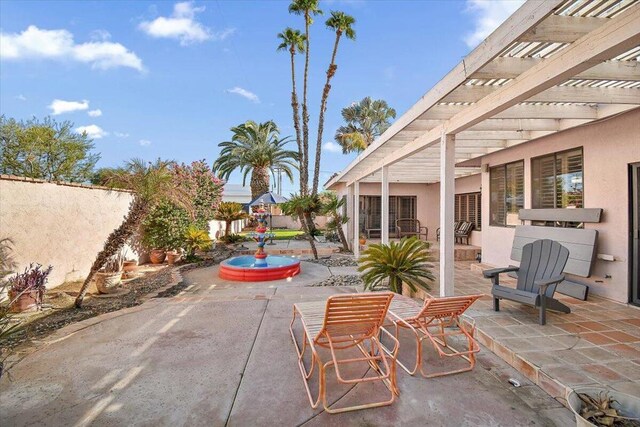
[(551, 66)]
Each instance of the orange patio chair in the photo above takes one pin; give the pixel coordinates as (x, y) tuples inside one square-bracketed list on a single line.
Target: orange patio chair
[(342, 322), (436, 320)]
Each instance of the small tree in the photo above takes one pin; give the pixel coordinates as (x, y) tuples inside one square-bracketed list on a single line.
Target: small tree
[(151, 183), (229, 212), (203, 187), (165, 227), (45, 150), (397, 263), (332, 206), (304, 208)]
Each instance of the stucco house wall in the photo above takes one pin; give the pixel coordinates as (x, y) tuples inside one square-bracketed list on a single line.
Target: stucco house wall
[(427, 200), (609, 147), (63, 225)]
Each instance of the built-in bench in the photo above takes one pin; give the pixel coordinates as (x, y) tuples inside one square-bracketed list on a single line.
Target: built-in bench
[(581, 242)]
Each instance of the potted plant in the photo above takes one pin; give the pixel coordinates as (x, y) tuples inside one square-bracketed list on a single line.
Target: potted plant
[(595, 407), (26, 290), (109, 277), (362, 240), (164, 229), (173, 256), (129, 265)]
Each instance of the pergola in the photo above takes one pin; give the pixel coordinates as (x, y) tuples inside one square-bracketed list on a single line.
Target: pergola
[(551, 66)]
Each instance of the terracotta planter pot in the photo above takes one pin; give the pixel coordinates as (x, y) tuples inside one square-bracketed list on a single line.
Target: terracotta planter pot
[(130, 266), (172, 257), (157, 256), (108, 282), (24, 302), (363, 241)]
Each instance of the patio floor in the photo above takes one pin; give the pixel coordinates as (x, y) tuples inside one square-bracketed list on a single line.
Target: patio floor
[(220, 354), (597, 343)]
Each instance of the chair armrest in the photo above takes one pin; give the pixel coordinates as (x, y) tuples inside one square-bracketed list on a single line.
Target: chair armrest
[(544, 284), (488, 274)]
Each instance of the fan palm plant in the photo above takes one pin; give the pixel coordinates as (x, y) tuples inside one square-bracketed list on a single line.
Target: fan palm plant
[(256, 148), (229, 212), (303, 208), (294, 42), (397, 263), (150, 183), (332, 206), (342, 24), (365, 121)]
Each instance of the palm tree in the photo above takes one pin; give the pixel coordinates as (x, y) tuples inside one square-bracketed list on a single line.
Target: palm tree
[(229, 212), (293, 41), (256, 148), (150, 183), (365, 121), (342, 24), (308, 9), (304, 207), (398, 262), (332, 206)]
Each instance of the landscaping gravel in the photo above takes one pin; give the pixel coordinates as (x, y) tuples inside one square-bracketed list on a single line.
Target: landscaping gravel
[(346, 280), (335, 261)]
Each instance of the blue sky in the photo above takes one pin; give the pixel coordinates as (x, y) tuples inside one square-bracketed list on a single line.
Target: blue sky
[(168, 79)]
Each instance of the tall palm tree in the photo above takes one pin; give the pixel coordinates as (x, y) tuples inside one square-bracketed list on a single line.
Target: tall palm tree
[(342, 24), (150, 183), (294, 42), (256, 148), (308, 9), (365, 121)]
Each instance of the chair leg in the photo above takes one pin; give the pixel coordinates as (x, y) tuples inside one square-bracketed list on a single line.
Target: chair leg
[(496, 304), (543, 309)]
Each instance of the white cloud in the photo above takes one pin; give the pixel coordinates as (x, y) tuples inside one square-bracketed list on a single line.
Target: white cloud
[(100, 35), (487, 16), (92, 131), (121, 134), (144, 142), (332, 147), (95, 113), (245, 94), (35, 43), (59, 106), (182, 25), (21, 97)]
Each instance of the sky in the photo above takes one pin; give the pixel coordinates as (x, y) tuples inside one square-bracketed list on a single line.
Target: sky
[(169, 79)]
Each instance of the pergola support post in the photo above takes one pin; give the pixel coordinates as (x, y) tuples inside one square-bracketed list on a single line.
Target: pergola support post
[(384, 222), (347, 227), (447, 196), (356, 219)]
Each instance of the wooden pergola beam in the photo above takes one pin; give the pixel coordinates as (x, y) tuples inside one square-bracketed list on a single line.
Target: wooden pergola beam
[(562, 29), (587, 94), (512, 67), (617, 36)]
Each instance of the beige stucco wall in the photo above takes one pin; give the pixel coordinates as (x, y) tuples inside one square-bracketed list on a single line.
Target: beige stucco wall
[(608, 148), (61, 225)]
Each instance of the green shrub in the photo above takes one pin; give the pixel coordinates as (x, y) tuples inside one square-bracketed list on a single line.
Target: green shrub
[(165, 227)]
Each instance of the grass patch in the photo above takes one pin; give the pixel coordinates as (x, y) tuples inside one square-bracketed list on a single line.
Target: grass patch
[(280, 234)]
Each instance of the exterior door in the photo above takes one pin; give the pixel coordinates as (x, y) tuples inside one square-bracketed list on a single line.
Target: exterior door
[(634, 228)]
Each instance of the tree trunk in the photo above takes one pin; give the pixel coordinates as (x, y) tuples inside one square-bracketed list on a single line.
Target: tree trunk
[(114, 243), (296, 114), (259, 181), (227, 228), (323, 107), (304, 165), (311, 227), (343, 238)]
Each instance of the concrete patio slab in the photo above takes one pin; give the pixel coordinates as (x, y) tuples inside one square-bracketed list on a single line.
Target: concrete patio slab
[(222, 355)]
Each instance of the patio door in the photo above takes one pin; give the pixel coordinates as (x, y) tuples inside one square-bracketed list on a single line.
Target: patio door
[(634, 229)]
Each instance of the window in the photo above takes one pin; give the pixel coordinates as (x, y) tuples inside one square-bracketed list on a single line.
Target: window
[(400, 207), (507, 193), (469, 208), (557, 180)]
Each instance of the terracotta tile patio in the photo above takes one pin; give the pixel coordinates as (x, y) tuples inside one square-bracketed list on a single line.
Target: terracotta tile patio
[(597, 343)]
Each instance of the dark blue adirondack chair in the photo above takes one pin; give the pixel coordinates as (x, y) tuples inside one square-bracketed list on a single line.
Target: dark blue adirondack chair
[(539, 273)]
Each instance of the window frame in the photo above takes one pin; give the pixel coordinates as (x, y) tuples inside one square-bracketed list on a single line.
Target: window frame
[(555, 171), (504, 168), (477, 195)]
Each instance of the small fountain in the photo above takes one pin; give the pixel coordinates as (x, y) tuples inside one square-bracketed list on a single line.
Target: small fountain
[(259, 267)]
